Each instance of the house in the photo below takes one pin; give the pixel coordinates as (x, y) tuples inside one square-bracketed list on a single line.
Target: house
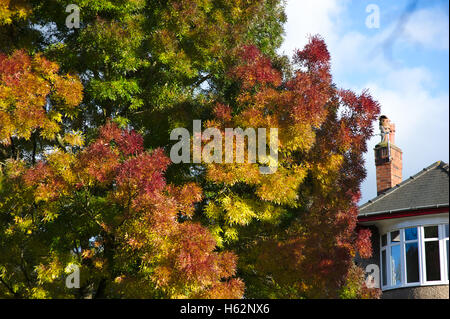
[(409, 223)]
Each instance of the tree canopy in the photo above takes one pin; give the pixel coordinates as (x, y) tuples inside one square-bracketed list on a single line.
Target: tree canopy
[(85, 121)]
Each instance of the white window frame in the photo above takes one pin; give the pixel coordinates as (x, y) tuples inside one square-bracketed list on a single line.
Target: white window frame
[(404, 242), (446, 268), (390, 245), (386, 250), (443, 262)]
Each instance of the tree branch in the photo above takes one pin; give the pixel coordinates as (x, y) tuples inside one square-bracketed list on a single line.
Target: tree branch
[(16, 295)]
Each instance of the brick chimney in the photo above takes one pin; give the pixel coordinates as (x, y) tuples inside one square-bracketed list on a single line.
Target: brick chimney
[(388, 157)]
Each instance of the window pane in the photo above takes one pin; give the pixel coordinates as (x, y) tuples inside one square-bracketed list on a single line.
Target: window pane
[(395, 236), (412, 262), (411, 233), (431, 232), (432, 260), (383, 263), (448, 259), (384, 240), (395, 265)]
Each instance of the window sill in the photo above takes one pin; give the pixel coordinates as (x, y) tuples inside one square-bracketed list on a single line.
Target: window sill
[(431, 283)]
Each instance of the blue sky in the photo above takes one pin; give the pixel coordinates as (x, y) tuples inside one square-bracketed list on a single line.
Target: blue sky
[(405, 68)]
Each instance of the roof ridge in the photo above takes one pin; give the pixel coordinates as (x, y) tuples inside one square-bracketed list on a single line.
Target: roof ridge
[(403, 183)]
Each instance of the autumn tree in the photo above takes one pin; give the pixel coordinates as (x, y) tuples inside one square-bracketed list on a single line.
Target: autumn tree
[(148, 64), (109, 210), (34, 101), (85, 118), (294, 229)]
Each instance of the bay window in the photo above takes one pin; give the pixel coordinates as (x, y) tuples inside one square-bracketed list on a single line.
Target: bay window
[(415, 256)]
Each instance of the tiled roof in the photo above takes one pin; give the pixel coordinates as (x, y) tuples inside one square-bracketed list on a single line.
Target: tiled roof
[(428, 188)]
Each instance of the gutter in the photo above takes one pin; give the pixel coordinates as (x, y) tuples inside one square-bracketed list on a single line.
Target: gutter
[(404, 212), (403, 209)]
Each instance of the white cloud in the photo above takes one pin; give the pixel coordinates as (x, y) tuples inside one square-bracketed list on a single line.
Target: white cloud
[(429, 28), (352, 51), (310, 17)]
